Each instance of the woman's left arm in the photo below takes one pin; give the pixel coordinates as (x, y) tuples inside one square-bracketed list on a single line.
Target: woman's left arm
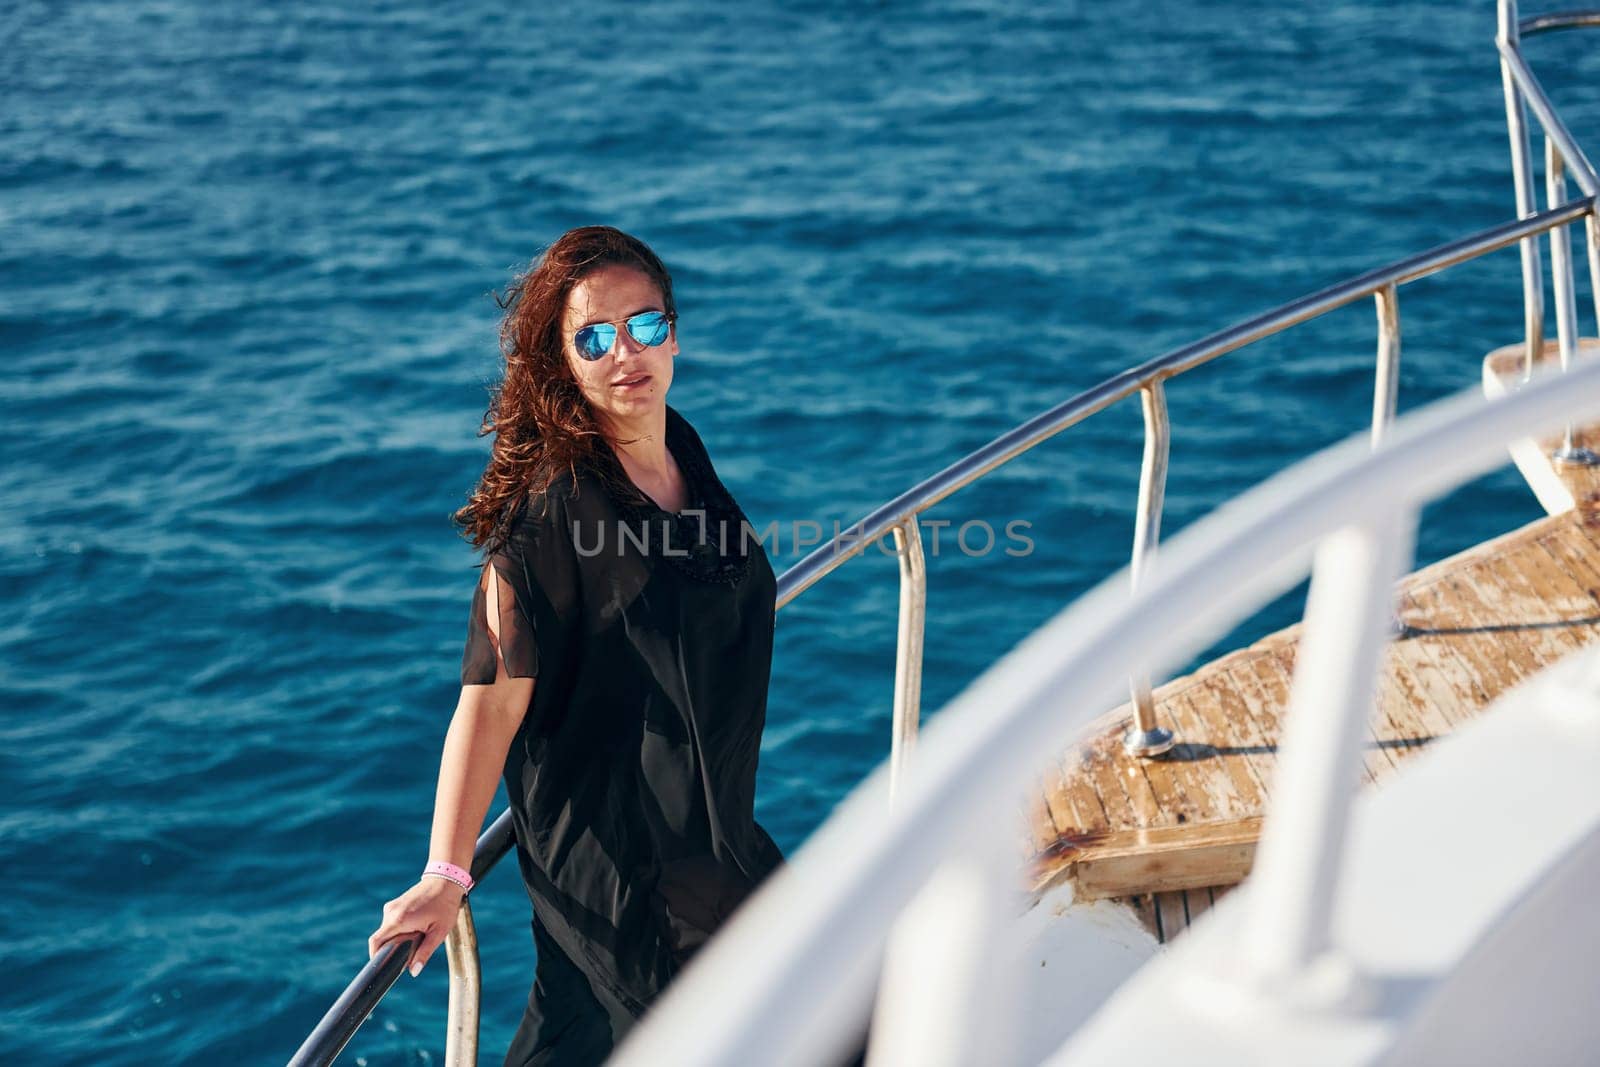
[(486, 720)]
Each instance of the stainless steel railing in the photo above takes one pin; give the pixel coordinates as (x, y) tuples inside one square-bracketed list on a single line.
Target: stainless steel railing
[(374, 980), (1147, 379), (1562, 152), (898, 517)]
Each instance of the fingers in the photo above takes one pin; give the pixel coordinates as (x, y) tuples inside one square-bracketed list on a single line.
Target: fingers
[(396, 925), (431, 939), (384, 936), (422, 918), (386, 930)]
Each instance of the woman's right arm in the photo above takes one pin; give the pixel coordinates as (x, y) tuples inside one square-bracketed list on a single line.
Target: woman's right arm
[(475, 746)]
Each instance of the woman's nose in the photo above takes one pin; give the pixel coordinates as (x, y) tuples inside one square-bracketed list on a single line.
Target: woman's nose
[(626, 345)]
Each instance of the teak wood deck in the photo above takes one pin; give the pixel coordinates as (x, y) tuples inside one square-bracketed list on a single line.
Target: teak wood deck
[(1157, 833)]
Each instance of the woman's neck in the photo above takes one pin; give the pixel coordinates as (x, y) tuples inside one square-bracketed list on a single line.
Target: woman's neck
[(641, 444)]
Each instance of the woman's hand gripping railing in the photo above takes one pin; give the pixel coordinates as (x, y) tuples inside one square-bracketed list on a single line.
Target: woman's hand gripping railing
[(362, 995)]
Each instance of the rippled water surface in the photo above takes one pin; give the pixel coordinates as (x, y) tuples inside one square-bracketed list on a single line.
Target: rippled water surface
[(246, 258)]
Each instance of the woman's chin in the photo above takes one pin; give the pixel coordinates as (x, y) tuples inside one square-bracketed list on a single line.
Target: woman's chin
[(636, 400), (636, 405)]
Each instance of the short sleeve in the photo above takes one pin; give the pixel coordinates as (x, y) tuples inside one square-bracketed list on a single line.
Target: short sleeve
[(535, 586), (518, 647)]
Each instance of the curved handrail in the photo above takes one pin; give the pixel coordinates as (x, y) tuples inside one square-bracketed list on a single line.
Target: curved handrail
[(1561, 20), (899, 515), (789, 978), (340, 1022), (963, 472)]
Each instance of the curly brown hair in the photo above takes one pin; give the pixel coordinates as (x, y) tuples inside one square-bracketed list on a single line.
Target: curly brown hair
[(541, 421)]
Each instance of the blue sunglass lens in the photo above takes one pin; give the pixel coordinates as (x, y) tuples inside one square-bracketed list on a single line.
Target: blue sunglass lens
[(650, 328), (593, 342)]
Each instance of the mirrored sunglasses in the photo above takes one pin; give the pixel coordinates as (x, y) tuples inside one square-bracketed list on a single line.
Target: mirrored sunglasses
[(648, 328)]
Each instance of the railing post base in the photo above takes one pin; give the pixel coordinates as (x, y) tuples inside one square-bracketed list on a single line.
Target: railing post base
[(1147, 744), (1572, 456)]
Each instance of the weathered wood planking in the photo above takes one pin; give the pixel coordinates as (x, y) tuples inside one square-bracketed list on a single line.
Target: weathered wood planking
[(1167, 914), (1475, 624)]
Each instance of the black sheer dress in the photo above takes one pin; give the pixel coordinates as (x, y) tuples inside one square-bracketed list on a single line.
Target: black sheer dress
[(632, 777)]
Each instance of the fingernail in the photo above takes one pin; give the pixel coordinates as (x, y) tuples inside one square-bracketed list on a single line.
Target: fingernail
[(416, 969)]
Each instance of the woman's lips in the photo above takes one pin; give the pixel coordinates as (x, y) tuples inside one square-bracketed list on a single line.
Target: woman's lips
[(633, 382)]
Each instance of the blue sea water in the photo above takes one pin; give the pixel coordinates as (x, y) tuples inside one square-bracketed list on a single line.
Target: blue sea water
[(247, 255)]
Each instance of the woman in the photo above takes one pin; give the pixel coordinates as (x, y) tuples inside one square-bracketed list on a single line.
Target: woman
[(615, 670)]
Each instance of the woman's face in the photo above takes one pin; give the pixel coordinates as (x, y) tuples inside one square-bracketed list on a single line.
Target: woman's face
[(631, 380)]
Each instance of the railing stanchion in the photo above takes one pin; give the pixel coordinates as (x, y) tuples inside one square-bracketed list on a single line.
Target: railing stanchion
[(1571, 452), (1522, 183), (1347, 620), (948, 993), (466, 991), (1145, 736), (1538, 102), (908, 647), (1386, 391), (1591, 228)]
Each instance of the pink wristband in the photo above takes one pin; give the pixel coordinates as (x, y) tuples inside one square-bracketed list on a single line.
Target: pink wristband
[(450, 873)]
